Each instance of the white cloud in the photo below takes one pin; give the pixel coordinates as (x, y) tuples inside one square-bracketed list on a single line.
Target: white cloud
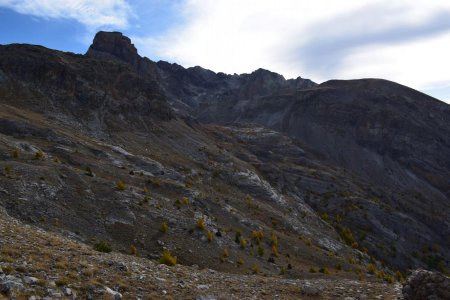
[(405, 41), (92, 14), (421, 64)]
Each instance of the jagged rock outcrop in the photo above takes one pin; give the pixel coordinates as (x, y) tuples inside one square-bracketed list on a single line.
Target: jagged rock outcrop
[(114, 45), (190, 88)]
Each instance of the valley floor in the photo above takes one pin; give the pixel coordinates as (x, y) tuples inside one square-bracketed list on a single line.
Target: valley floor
[(35, 264)]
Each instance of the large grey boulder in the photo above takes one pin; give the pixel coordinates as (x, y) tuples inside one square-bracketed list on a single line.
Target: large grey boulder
[(426, 285)]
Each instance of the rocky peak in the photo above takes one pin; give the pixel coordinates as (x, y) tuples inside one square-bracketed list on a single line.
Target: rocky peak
[(114, 45)]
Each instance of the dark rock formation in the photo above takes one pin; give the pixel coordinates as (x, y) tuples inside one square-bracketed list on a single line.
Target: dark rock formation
[(114, 45), (99, 93), (426, 285)]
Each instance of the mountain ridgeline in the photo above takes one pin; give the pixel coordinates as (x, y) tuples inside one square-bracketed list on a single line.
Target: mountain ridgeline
[(343, 173)]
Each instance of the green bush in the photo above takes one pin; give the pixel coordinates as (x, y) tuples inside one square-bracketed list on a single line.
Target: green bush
[(103, 246)]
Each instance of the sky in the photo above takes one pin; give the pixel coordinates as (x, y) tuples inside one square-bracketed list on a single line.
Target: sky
[(407, 41)]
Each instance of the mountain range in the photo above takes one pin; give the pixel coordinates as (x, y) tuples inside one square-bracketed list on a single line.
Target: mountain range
[(248, 173)]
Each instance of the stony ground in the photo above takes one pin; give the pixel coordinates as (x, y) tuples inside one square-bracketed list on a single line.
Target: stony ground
[(36, 264)]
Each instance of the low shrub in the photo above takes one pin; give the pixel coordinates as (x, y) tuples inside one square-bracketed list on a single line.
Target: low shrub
[(168, 259), (371, 269), (255, 269), (120, 185), (209, 236), (243, 243), (239, 262), (103, 246), (200, 224), (16, 153), (274, 240), (226, 253), (164, 227), (237, 236), (39, 155)]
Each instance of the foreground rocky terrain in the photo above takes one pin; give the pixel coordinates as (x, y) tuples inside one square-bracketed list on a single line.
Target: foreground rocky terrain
[(344, 184), (37, 264)]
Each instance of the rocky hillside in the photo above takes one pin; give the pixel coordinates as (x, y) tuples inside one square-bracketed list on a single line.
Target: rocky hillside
[(244, 174), (40, 264)]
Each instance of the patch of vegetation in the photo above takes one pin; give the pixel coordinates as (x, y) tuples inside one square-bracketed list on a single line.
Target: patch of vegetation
[(209, 236), (243, 243), (312, 270), (255, 269), (7, 269), (274, 251), (163, 227), (399, 276), (239, 262), (324, 271), (168, 259), (257, 236), (347, 235), (237, 236), (39, 155), (145, 200), (103, 246), (200, 224), (371, 269), (324, 216), (274, 240), (7, 170), (225, 253), (156, 182), (188, 183), (62, 281), (260, 251), (15, 153), (120, 185)]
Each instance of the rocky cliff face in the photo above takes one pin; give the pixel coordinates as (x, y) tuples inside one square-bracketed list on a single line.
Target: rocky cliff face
[(336, 176)]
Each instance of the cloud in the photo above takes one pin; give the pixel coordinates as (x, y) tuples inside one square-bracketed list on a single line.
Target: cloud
[(405, 41), (92, 14), (366, 29)]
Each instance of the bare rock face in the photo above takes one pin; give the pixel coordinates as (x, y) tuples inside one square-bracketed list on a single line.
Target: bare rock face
[(114, 45), (426, 285)]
